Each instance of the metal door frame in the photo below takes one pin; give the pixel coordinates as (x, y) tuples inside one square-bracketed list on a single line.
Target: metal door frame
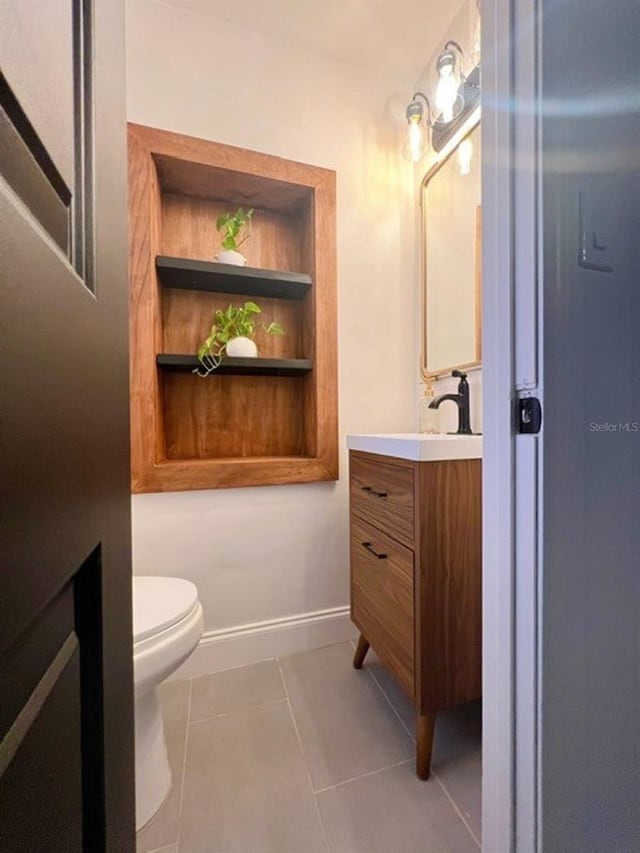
[(512, 475)]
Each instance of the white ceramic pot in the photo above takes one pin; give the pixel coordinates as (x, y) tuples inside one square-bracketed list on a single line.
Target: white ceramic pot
[(241, 348), (230, 256)]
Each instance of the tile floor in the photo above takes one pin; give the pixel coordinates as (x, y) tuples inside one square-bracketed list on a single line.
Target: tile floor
[(307, 755)]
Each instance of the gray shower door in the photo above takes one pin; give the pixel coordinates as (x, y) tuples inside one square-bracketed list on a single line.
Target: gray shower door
[(561, 199), (589, 625)]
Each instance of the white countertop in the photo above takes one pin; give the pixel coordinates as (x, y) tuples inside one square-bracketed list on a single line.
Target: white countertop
[(418, 447)]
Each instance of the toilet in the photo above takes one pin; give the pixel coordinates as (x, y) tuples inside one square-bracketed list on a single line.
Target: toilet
[(167, 625)]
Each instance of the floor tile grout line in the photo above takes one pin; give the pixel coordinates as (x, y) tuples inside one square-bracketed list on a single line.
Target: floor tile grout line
[(369, 772), (457, 810), (391, 705), (363, 776), (314, 792), (184, 764), (227, 669), (436, 777), (304, 757), (237, 711)]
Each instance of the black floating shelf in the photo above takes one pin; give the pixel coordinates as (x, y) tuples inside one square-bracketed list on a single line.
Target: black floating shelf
[(239, 366), (186, 274)]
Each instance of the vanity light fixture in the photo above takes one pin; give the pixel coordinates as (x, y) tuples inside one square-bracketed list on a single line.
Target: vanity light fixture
[(418, 127), (449, 97), (455, 98)]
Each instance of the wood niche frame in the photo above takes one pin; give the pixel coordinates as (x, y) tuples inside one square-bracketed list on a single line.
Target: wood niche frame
[(197, 171)]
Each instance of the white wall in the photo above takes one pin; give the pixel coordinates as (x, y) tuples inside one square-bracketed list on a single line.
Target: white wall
[(271, 552)]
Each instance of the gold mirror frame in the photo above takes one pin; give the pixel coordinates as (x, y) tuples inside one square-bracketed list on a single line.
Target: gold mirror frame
[(426, 374)]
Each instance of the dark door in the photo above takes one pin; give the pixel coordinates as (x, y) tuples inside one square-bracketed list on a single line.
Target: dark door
[(66, 715)]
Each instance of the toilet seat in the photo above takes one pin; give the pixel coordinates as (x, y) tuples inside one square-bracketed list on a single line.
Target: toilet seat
[(159, 603), (167, 620)]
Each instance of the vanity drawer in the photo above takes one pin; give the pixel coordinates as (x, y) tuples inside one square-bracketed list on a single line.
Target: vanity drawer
[(382, 604), (382, 494)]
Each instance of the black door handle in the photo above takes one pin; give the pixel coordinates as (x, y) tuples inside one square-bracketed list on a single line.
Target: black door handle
[(373, 551), (373, 492)]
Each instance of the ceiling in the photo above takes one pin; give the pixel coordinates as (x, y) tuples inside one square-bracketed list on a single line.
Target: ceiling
[(393, 37)]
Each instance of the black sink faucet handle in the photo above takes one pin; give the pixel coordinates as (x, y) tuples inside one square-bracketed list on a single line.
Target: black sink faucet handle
[(461, 399)]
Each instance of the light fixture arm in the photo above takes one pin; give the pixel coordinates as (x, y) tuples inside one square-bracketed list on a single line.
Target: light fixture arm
[(449, 47), (414, 108), (453, 43)]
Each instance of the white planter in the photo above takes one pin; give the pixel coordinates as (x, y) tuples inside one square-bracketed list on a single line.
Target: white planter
[(241, 348), (230, 256)]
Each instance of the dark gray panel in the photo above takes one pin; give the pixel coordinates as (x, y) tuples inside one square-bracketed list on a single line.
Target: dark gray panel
[(590, 716), (36, 57), (30, 657), (47, 769), (64, 449), (27, 168), (54, 180)]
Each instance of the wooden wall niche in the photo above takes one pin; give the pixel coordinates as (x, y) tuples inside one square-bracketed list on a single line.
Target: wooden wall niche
[(237, 428)]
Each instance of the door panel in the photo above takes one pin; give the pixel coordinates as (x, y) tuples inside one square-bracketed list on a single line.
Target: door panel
[(66, 753), (590, 712), (50, 425), (30, 172), (40, 73), (25, 787)]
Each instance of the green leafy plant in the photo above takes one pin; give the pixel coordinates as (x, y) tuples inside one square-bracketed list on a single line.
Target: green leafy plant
[(236, 322), (232, 226)]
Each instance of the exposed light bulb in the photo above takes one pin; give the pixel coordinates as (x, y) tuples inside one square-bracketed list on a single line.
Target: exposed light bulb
[(449, 99), (414, 148), (465, 155), (418, 125), (446, 94)]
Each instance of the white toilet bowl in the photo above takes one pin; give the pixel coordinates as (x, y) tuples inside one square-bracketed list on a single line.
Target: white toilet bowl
[(167, 625)]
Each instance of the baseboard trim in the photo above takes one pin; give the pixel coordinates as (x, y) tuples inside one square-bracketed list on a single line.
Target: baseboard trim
[(245, 644)]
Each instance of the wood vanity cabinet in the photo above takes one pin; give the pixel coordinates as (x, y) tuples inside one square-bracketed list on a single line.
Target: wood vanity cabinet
[(416, 578)]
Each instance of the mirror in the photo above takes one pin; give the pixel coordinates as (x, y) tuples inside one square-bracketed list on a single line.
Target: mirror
[(452, 260)]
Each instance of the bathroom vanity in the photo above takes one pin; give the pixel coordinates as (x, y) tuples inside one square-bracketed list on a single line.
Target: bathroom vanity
[(416, 577)]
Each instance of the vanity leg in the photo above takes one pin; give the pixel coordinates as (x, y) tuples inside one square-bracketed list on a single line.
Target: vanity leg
[(361, 652), (425, 728)]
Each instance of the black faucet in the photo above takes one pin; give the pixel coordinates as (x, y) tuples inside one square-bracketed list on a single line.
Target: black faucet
[(461, 399)]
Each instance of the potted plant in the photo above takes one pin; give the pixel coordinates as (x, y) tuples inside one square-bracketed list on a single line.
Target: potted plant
[(234, 230), (232, 334)]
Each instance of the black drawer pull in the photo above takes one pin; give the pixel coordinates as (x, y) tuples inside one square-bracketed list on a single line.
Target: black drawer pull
[(372, 550), (373, 492)]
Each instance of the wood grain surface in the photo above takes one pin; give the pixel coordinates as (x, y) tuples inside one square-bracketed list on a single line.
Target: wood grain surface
[(287, 425), (449, 582), (428, 623), (382, 600), (382, 493)]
